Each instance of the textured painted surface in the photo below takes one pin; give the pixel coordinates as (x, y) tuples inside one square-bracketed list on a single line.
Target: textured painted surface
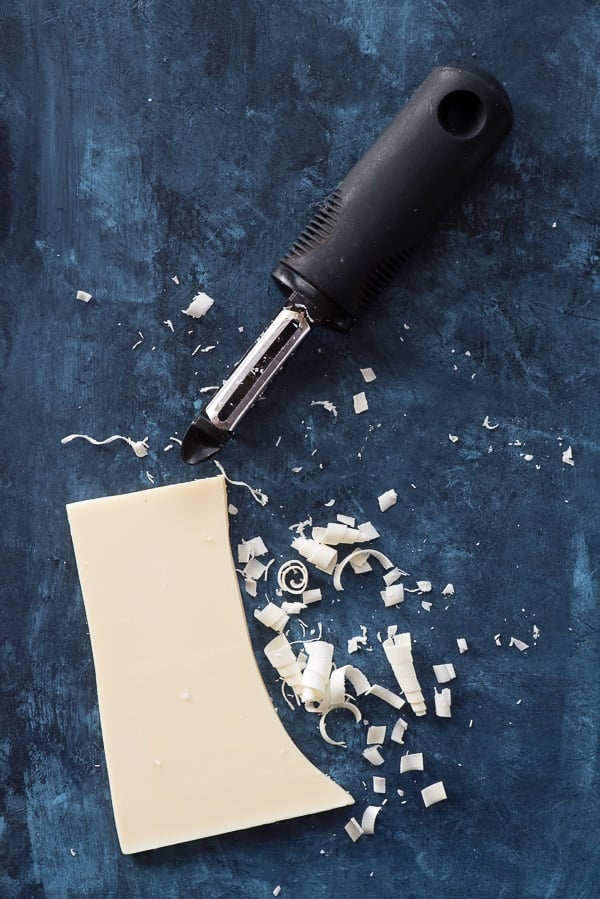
[(143, 140)]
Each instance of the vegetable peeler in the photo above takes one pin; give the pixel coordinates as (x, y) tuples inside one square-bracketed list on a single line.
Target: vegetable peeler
[(363, 232)]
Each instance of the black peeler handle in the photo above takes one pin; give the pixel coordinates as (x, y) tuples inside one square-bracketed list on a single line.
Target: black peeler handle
[(363, 232)]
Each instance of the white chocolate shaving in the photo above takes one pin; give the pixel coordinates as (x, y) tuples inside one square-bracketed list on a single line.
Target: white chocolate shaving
[(243, 553), (360, 562), (346, 519), (376, 734), (140, 447), (322, 557), (567, 456), (373, 755), (353, 829), (398, 650), (443, 703), (199, 306), (519, 644), (386, 695), (255, 546), (368, 530), (444, 673), (390, 577), (336, 532), (292, 577), (311, 596), (83, 295), (315, 677), (272, 616), (329, 406), (300, 526), (337, 683), (254, 570), (368, 375), (354, 643), (337, 582), (393, 595), (340, 705), (293, 608), (462, 644), (281, 656), (387, 499), (287, 700), (360, 402), (486, 424), (255, 492), (412, 761), (368, 819), (379, 784), (448, 590), (399, 729), (433, 793)]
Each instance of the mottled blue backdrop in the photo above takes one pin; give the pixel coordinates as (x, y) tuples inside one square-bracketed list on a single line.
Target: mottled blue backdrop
[(144, 141)]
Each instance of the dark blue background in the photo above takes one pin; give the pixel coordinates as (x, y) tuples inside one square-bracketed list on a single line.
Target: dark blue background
[(146, 139)]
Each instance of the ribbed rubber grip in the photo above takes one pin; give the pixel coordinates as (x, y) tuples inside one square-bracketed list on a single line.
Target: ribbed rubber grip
[(369, 225)]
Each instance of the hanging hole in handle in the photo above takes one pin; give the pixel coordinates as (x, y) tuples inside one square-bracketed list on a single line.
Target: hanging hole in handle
[(461, 114)]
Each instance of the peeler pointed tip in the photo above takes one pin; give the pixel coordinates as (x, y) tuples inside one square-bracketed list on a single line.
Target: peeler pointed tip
[(202, 441)]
